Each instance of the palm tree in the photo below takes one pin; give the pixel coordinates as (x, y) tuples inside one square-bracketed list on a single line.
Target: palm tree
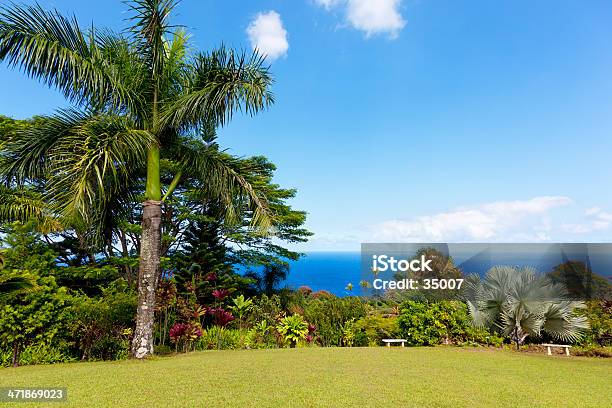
[(518, 303), (140, 98)]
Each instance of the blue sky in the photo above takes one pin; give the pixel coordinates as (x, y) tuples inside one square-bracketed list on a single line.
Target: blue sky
[(422, 120)]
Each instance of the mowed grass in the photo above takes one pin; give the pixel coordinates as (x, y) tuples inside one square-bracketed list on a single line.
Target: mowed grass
[(330, 377)]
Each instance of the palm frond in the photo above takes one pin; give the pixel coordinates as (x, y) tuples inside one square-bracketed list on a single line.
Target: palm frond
[(521, 303), (176, 68), (23, 204), (561, 324), (222, 177), (220, 84), (52, 48), (83, 157), (150, 24), (473, 295)]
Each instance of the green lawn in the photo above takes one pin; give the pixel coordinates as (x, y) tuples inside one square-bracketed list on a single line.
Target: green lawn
[(330, 377)]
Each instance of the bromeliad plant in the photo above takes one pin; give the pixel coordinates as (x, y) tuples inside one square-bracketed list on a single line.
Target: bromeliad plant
[(293, 329), (141, 100), (518, 303)]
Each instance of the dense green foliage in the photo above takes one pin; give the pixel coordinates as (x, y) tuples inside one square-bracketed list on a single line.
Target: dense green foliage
[(202, 267), (330, 315), (599, 314), (36, 315), (47, 322), (87, 312), (371, 329), (101, 326), (444, 322)]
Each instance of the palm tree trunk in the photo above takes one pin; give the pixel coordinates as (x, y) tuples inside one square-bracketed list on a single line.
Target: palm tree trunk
[(15, 361), (148, 276)]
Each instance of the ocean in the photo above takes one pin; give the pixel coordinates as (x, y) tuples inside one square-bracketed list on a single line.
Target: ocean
[(332, 271)]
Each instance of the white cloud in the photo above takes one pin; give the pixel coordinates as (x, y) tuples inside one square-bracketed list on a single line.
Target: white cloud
[(598, 220), (371, 16), (603, 216), (376, 16), (496, 221), (267, 34), (540, 219)]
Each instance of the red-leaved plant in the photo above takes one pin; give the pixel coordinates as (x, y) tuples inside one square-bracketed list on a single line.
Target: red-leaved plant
[(220, 294), (221, 317), (184, 334)]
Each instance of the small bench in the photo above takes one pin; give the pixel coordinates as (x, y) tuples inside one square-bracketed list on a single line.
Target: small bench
[(389, 341), (566, 347)]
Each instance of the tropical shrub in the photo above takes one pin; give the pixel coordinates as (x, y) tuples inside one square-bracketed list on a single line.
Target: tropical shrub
[(36, 316), (262, 336), (165, 313), (293, 329), (266, 308), (240, 307), (183, 335), (593, 351), (220, 316), (39, 353), (100, 327), (370, 330), (599, 314), (518, 303), (348, 334), (428, 324), (329, 314), (220, 338)]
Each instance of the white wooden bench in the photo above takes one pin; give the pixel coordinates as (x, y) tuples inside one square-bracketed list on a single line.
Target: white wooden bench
[(389, 341), (565, 346)]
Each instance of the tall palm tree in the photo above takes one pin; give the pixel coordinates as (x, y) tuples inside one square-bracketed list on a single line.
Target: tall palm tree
[(139, 97)]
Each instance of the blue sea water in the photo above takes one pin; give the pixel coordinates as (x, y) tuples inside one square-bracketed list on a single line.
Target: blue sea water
[(330, 271)]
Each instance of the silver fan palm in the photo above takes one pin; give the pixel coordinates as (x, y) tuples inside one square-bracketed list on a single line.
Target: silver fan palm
[(517, 302)]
